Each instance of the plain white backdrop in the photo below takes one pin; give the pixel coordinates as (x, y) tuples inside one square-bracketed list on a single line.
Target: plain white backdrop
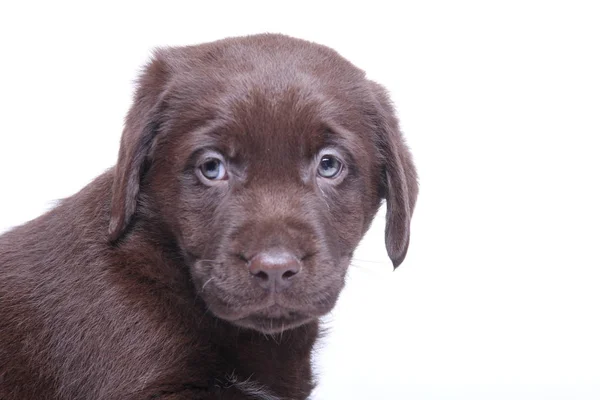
[(499, 297)]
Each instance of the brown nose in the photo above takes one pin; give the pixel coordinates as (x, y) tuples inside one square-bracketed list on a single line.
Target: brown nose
[(274, 269)]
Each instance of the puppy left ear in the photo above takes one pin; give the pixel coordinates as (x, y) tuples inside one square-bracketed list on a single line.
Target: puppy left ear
[(141, 126), (399, 179)]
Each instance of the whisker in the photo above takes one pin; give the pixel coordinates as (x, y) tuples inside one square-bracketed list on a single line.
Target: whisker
[(206, 283), (369, 261), (360, 266)]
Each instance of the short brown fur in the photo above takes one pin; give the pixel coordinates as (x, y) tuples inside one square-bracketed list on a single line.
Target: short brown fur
[(137, 287)]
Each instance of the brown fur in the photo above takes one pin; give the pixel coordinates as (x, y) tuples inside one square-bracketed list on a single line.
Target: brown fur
[(138, 287)]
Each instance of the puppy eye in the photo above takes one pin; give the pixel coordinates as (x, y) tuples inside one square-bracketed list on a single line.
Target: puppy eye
[(213, 169), (329, 166)]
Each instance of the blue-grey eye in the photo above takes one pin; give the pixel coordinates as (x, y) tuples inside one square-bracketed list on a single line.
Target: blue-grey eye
[(329, 166), (213, 169)]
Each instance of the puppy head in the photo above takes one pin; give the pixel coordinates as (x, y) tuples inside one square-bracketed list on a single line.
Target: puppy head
[(265, 158)]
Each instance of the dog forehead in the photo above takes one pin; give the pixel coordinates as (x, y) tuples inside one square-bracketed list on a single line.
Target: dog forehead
[(287, 119), (271, 97), (265, 125)]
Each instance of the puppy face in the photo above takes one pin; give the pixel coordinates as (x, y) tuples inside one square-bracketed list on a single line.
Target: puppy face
[(273, 190), (266, 159)]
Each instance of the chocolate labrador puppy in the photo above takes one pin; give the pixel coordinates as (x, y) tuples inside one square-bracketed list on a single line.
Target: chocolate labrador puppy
[(198, 267)]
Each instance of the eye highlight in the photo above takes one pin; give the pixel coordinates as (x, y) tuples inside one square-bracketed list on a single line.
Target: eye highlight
[(212, 168), (329, 166)]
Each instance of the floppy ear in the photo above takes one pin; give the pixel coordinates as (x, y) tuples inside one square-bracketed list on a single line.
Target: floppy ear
[(399, 180), (141, 125)]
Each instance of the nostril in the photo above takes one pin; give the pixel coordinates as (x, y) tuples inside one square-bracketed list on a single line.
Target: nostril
[(289, 273), (262, 275)]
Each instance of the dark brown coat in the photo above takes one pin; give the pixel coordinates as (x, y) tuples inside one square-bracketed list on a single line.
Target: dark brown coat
[(156, 280)]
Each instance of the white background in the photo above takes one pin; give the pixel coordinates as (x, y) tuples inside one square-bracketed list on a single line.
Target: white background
[(499, 296)]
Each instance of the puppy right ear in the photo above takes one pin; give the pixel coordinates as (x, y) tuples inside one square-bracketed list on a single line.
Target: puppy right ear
[(141, 125), (399, 180)]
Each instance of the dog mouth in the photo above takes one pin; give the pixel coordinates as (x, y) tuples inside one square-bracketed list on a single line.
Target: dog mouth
[(267, 312), (273, 319), (270, 317)]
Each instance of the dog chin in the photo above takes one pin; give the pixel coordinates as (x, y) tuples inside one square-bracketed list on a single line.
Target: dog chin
[(271, 326), (273, 320)]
